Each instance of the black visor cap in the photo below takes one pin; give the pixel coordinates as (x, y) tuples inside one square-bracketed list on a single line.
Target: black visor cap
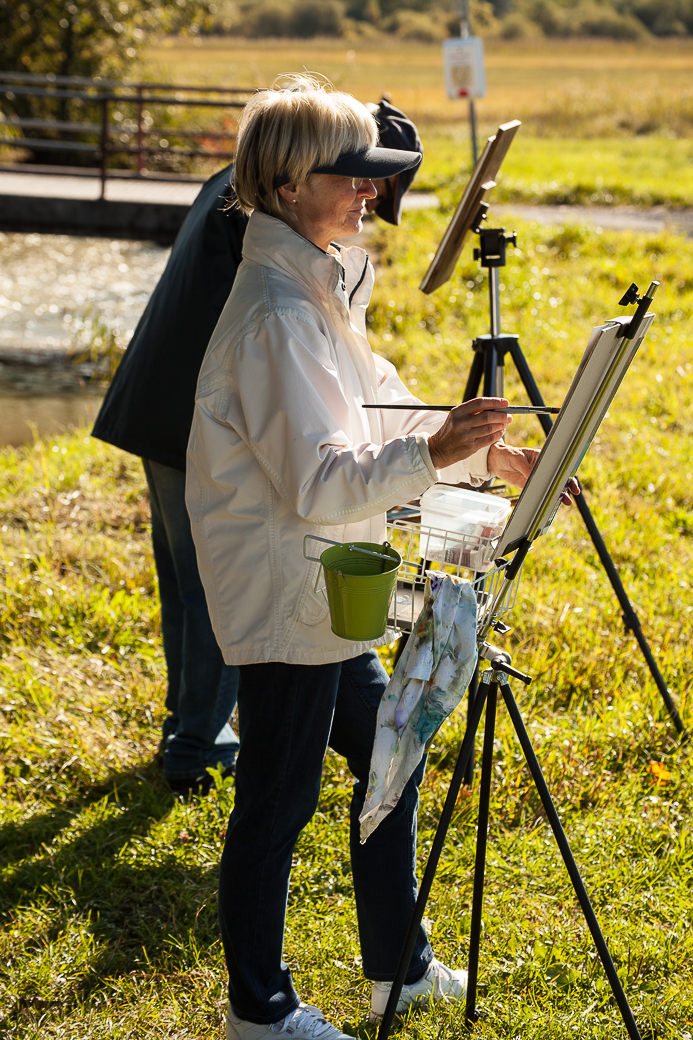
[(371, 164)]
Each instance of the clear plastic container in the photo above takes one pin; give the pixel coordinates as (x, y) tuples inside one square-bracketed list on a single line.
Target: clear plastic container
[(461, 527)]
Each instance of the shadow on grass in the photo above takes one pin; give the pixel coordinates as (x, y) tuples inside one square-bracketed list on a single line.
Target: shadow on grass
[(20, 841), (129, 908)]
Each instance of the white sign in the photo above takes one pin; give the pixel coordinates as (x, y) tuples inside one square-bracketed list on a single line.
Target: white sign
[(463, 67)]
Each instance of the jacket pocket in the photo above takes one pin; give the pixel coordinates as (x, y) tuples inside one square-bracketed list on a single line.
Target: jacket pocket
[(313, 607)]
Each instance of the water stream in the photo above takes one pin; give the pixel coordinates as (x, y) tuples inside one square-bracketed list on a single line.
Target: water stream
[(57, 294)]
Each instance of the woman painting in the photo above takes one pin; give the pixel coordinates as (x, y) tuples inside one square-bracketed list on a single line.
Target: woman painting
[(281, 447)]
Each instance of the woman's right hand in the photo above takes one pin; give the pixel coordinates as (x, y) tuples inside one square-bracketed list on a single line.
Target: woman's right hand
[(468, 427)]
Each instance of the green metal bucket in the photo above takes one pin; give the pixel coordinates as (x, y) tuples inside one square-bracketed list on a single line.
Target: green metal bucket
[(359, 587)]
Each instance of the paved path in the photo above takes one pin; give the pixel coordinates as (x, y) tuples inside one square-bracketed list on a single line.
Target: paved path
[(616, 218), (183, 193), (56, 186)]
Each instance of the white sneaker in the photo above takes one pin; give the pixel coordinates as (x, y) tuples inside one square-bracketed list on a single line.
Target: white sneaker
[(305, 1023), (439, 983)]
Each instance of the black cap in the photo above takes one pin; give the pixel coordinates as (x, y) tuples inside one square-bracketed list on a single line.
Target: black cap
[(396, 131), (373, 163), (370, 163)]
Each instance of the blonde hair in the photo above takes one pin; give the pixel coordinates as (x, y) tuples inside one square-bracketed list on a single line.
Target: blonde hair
[(300, 123)]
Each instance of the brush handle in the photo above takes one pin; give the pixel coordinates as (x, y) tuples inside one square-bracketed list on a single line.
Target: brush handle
[(511, 410), (414, 407)]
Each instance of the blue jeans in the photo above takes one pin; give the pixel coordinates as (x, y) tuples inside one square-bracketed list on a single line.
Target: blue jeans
[(201, 688), (288, 715)]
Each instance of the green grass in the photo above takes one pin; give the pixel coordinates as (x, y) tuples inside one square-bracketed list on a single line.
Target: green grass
[(108, 881), (652, 171), (603, 122)]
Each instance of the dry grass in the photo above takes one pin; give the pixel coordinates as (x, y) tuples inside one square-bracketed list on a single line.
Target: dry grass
[(558, 87)]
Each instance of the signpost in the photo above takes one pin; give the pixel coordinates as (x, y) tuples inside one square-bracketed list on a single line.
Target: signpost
[(463, 68)]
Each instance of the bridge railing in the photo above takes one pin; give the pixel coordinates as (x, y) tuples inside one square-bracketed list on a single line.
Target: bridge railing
[(122, 121)]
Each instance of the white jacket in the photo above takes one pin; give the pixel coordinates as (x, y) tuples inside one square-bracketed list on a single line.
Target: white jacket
[(280, 446)]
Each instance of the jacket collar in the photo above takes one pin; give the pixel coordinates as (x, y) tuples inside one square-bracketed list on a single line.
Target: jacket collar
[(272, 243)]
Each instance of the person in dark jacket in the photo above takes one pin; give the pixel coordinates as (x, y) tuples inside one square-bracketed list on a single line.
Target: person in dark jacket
[(148, 411)]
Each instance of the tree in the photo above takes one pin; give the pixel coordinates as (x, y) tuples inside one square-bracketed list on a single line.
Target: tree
[(86, 38), (89, 38)]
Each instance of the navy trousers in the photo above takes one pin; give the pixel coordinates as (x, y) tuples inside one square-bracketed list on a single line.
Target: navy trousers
[(201, 688), (288, 716)]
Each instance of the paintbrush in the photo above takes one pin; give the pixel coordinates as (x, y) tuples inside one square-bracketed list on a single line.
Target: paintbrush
[(510, 410)]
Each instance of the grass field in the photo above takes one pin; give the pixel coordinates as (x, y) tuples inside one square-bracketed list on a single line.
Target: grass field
[(603, 122), (108, 882), (578, 171), (601, 86)]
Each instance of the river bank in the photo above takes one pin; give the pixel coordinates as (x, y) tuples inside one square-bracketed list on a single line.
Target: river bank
[(69, 305)]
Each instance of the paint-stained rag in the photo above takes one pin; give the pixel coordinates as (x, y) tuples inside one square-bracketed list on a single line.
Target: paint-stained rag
[(428, 683)]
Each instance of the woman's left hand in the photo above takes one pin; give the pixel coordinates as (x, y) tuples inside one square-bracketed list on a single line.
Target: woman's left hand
[(513, 465)]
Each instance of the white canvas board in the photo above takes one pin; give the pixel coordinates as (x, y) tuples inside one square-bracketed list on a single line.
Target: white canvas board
[(605, 362)]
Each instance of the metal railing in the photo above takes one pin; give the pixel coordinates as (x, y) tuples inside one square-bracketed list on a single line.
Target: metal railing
[(125, 125)]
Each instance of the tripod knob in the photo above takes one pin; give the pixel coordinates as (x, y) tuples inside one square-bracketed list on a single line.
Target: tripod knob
[(631, 295), (477, 254)]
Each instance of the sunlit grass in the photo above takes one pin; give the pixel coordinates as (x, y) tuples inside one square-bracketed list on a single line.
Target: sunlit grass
[(595, 88), (108, 882), (603, 122), (578, 171)]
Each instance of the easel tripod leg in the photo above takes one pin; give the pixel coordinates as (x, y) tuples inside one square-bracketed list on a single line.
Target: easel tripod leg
[(431, 865), (481, 841), (571, 865), (476, 372), (629, 616), (471, 695)]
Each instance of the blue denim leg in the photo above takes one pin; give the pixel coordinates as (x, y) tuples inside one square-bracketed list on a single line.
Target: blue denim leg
[(286, 715), (384, 868), (201, 688)]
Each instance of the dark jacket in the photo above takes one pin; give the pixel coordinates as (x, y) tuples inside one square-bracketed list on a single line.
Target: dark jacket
[(149, 405)]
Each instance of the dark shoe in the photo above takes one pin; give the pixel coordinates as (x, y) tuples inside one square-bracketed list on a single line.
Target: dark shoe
[(159, 753), (199, 785), (167, 730)]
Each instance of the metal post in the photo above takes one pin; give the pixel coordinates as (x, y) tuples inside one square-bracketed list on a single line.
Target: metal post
[(463, 13), (140, 133), (494, 300), (104, 145), (472, 129)]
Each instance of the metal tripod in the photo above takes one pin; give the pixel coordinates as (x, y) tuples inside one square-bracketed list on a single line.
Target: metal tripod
[(489, 365), (494, 680)]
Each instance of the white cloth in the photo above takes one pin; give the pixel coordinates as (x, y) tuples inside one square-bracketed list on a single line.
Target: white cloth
[(280, 446), (428, 683)]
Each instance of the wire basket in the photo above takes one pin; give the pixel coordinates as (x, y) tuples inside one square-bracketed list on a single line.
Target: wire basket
[(451, 553)]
